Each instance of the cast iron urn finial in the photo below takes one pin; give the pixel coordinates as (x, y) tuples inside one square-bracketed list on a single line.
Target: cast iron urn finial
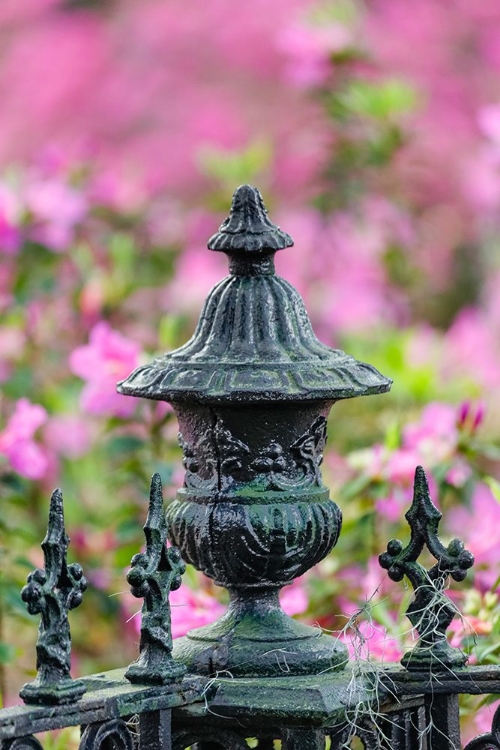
[(252, 389)]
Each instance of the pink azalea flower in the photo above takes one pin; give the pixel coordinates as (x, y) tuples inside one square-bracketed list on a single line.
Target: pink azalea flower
[(68, 435), (434, 437), (10, 236), (458, 474), (394, 506), (488, 119), (106, 359), (370, 640), (57, 208), (308, 50), (472, 348), (197, 272), (17, 442), (10, 215), (479, 527), (401, 466), (481, 178), (293, 598), (192, 609), (463, 628)]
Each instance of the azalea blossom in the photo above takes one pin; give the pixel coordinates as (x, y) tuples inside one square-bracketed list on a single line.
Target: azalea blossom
[(17, 440), (106, 359)]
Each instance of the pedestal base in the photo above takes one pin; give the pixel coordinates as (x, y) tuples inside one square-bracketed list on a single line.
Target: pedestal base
[(156, 674), (436, 657), (255, 638), (64, 691)]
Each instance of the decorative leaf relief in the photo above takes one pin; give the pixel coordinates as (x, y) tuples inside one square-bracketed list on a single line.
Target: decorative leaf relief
[(308, 450), (222, 458), (231, 451), (202, 454)]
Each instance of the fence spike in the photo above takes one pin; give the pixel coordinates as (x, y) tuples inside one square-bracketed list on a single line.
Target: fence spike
[(431, 611), (152, 576), (51, 592)]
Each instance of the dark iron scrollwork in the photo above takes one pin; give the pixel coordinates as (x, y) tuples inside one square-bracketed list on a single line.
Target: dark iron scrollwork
[(201, 454), (431, 611), (308, 450), (22, 743), (152, 576), (223, 457), (490, 740), (108, 735), (51, 592), (221, 737)]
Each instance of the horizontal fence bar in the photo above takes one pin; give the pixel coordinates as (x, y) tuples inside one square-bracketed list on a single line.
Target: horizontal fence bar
[(109, 695)]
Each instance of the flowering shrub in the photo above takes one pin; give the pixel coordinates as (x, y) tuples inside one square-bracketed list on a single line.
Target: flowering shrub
[(375, 136), (106, 359), (17, 442)]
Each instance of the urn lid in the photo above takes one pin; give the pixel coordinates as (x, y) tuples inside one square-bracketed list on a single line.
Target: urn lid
[(254, 341)]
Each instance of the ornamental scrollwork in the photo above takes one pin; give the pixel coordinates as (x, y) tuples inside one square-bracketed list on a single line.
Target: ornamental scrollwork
[(218, 458), (52, 591), (431, 611), (231, 451), (308, 450), (152, 576), (490, 740), (222, 737), (108, 734), (22, 743), (198, 455)]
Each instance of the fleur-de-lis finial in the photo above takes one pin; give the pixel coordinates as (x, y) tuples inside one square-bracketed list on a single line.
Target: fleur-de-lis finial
[(51, 592), (152, 576), (431, 611)]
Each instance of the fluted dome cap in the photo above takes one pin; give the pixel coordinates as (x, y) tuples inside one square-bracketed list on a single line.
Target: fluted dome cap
[(254, 340)]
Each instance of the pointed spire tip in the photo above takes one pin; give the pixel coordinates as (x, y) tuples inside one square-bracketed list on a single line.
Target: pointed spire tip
[(248, 229)]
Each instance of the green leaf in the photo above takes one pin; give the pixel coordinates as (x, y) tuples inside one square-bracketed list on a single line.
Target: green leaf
[(6, 652), (494, 487), (380, 101), (123, 444), (230, 168)]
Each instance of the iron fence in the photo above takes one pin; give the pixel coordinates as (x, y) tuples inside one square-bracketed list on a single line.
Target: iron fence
[(251, 390)]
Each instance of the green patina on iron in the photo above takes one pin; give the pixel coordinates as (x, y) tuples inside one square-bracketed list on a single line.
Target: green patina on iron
[(154, 573), (431, 612), (252, 390), (254, 340), (51, 592)]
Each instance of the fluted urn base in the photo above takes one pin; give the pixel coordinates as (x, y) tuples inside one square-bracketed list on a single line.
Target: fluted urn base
[(255, 638)]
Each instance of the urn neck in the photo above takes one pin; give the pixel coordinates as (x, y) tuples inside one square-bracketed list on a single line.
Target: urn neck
[(258, 265)]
